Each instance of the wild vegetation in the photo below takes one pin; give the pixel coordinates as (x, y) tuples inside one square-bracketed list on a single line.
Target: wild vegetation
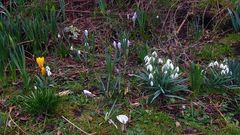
[(119, 67)]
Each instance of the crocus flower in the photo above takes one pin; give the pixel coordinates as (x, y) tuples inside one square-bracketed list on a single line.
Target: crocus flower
[(134, 17), (40, 62), (123, 119), (119, 45), (43, 71), (48, 70)]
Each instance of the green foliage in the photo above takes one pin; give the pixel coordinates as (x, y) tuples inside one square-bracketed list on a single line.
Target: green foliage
[(234, 14), (234, 67), (218, 76), (102, 6), (214, 51), (142, 51), (18, 57), (150, 122), (196, 77), (162, 79), (43, 101)]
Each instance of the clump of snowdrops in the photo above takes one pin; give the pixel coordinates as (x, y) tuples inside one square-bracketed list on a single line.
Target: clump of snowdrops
[(162, 78)]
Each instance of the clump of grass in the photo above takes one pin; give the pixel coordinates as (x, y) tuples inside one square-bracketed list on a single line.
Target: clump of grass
[(214, 51), (196, 77), (39, 102)]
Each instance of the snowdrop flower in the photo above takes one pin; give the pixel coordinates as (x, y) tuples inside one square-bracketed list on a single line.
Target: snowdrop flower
[(48, 70), (86, 44), (128, 43), (160, 60), (146, 58), (151, 83), (223, 72), (211, 64), (157, 16), (119, 45), (150, 76), (165, 72), (171, 66), (149, 68), (154, 54), (71, 48), (168, 62), (88, 93), (35, 87), (221, 66), (177, 69), (86, 33), (134, 17), (227, 70), (215, 63), (153, 59), (79, 52), (128, 16), (114, 44), (59, 36)]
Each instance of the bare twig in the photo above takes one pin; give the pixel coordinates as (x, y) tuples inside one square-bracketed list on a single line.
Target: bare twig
[(77, 126)]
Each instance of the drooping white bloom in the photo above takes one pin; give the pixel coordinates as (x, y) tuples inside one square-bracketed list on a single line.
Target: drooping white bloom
[(165, 72), (171, 66), (114, 44), (211, 64), (160, 61), (71, 48), (128, 43), (86, 33), (168, 62), (177, 69), (151, 83), (59, 36), (35, 87), (134, 17), (48, 71), (128, 16), (123, 119), (86, 44), (119, 45), (216, 63), (149, 68), (223, 72), (154, 54), (227, 70), (157, 16), (150, 76), (88, 93), (146, 58), (79, 52)]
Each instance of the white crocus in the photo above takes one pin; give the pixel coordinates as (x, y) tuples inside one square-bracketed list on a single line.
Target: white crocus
[(86, 33), (88, 93), (151, 83), (122, 119), (149, 68), (150, 76), (48, 70), (154, 54)]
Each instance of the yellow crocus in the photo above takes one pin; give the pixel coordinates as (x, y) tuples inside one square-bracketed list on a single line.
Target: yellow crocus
[(40, 62), (43, 71)]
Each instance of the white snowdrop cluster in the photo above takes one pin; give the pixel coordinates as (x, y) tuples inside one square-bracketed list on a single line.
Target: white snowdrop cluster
[(224, 69), (118, 45), (167, 68), (73, 30)]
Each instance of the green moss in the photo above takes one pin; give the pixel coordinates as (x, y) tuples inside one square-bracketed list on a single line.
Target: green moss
[(154, 123), (214, 51), (230, 129), (230, 39)]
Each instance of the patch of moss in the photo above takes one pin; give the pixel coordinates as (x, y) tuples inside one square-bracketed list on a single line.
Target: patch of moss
[(214, 51), (154, 123), (230, 39)]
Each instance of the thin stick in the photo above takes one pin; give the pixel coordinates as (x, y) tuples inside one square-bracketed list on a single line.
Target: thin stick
[(11, 119), (76, 126)]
